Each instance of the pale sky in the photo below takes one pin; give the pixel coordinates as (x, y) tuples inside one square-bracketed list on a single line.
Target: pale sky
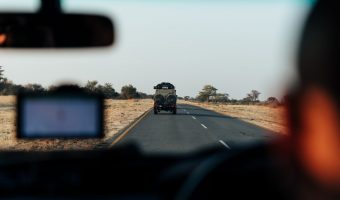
[(236, 46)]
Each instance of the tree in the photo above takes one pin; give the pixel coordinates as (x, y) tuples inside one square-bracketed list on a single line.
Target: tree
[(11, 89), (207, 92), (246, 100), (222, 97), (52, 88), (91, 86), (143, 95), (253, 95), (2, 84), (1, 74), (7, 87), (128, 92), (107, 90), (273, 101), (37, 88), (233, 101)]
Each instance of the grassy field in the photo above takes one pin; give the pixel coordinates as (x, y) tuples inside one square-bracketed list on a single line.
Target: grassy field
[(118, 114), (271, 118)]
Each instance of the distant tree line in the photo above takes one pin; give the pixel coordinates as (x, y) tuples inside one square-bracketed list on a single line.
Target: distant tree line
[(209, 94), (7, 87)]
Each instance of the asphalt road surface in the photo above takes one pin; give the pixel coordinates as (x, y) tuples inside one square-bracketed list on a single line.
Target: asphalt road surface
[(192, 129)]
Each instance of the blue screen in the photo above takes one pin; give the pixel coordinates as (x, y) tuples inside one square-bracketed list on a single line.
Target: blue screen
[(60, 117)]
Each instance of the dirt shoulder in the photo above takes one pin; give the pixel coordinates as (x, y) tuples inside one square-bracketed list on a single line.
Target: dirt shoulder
[(271, 118), (118, 114)]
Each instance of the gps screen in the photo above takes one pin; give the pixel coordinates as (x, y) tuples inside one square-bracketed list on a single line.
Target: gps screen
[(61, 117)]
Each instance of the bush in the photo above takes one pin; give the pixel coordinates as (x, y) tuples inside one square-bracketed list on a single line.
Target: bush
[(272, 101), (128, 92)]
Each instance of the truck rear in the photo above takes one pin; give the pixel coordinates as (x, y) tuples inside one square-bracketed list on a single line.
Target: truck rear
[(165, 98)]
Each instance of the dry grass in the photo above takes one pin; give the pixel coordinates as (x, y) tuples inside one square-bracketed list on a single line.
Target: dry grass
[(271, 118), (118, 114)]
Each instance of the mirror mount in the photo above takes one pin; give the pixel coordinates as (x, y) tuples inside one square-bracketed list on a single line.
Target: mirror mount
[(50, 7)]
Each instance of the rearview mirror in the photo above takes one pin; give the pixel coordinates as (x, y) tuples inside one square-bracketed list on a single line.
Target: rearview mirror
[(42, 30)]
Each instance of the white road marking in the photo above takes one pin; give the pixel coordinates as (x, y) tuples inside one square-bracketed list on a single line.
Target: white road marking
[(204, 126), (224, 144), (193, 117)]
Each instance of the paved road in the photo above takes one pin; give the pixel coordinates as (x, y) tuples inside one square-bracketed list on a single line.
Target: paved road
[(192, 129)]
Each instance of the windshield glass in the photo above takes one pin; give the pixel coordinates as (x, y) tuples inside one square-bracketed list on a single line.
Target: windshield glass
[(229, 62)]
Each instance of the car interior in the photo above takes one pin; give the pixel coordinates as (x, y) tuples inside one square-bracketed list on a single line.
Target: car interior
[(261, 170)]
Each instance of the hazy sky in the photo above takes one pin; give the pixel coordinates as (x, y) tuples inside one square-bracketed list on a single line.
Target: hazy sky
[(234, 45)]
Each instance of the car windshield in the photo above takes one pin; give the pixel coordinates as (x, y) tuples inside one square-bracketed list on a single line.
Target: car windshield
[(182, 76)]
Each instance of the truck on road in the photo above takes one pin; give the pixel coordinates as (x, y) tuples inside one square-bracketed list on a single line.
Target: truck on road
[(165, 98)]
